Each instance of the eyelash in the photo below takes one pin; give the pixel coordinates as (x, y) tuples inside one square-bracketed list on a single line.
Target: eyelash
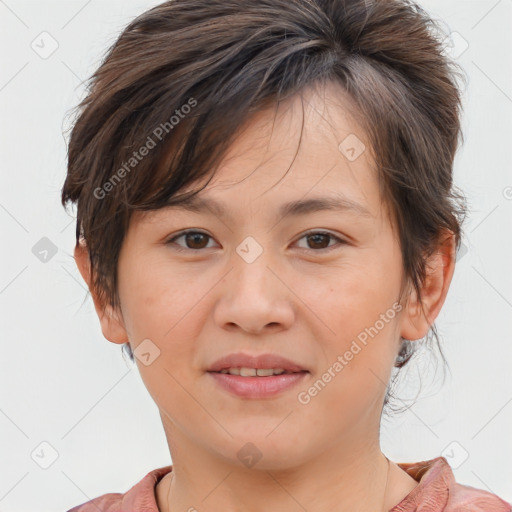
[(309, 233)]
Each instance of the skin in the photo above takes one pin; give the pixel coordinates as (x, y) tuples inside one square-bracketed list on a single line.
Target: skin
[(296, 299)]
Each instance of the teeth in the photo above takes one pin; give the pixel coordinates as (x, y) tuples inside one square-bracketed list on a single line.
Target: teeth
[(253, 372)]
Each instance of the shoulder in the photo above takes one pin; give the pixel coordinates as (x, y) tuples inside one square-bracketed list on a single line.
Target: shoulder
[(106, 503), (438, 491), (464, 498), (140, 497)]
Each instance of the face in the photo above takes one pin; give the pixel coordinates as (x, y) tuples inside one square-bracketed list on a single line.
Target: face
[(317, 286)]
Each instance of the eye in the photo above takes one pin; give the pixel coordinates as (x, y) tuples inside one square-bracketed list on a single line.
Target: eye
[(319, 238), (197, 240)]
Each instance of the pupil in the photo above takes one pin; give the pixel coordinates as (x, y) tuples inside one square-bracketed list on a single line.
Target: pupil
[(316, 237), (194, 237)]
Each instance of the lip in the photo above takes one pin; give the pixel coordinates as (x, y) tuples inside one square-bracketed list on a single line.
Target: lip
[(257, 387), (241, 360)]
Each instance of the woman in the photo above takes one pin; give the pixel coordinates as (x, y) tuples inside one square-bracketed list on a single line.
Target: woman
[(266, 219)]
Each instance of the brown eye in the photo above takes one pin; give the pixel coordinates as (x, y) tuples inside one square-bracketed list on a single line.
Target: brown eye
[(194, 240), (319, 241)]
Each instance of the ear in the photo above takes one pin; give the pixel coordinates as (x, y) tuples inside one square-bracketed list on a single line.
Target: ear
[(439, 272), (112, 324)]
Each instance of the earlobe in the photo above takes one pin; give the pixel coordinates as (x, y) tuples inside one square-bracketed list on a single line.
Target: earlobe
[(440, 267), (112, 324)]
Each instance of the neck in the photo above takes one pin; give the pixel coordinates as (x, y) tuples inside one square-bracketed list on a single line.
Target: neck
[(332, 481)]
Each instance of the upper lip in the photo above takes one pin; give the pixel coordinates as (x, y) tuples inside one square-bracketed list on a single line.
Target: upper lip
[(241, 360)]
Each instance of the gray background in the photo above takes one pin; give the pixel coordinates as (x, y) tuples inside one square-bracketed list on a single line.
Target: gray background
[(64, 385)]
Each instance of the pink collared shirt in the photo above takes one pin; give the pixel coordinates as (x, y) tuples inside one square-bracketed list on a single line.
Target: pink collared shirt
[(437, 491)]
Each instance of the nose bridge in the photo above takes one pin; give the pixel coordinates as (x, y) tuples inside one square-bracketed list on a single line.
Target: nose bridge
[(251, 261), (250, 249)]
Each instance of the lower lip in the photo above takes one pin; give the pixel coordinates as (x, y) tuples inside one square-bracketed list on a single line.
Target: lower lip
[(258, 387)]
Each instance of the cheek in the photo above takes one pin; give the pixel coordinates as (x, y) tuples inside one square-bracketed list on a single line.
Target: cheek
[(354, 295), (164, 303), (357, 305), (155, 295), (159, 304)]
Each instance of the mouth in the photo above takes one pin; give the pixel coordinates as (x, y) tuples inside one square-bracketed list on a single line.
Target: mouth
[(257, 372), (262, 365), (256, 377)]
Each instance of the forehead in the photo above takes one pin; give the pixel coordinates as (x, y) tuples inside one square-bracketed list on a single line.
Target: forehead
[(306, 154)]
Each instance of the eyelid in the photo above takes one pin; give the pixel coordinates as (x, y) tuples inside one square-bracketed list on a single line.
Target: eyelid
[(310, 232), (170, 241)]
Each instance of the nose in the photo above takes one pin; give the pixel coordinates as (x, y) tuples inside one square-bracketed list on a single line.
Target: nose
[(254, 296)]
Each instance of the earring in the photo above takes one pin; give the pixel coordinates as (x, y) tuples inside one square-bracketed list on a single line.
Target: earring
[(127, 353)]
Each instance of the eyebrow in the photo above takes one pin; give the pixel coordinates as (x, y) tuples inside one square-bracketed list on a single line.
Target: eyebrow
[(293, 208)]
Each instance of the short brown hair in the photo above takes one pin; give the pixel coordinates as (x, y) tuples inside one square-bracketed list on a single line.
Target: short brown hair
[(190, 72)]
